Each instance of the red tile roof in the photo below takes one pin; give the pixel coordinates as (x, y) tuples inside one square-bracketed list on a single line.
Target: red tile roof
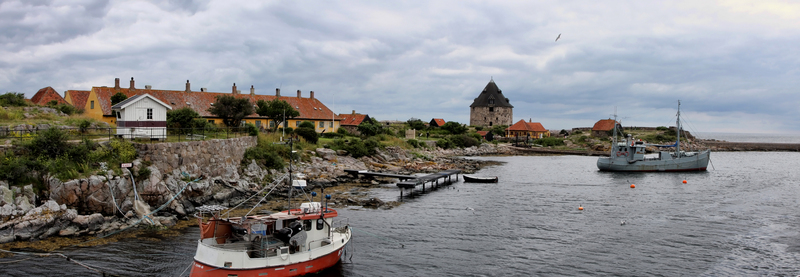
[(604, 125), (482, 133), (309, 108), (527, 126), (439, 122), (352, 119), (45, 95), (78, 97)]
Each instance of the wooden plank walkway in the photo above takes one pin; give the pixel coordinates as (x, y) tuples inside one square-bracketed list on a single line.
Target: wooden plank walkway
[(411, 182)]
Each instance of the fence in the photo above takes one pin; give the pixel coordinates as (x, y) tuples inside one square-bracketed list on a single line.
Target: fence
[(142, 135)]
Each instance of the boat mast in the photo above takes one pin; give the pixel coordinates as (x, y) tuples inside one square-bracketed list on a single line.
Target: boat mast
[(291, 185), (678, 129)]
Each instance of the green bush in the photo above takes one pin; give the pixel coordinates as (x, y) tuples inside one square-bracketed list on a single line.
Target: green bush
[(83, 125), (661, 128), (264, 156), (50, 143), (306, 124), (357, 147), (18, 169), (413, 142), (551, 141), (251, 129), (332, 135), (445, 143), (342, 131), (308, 134), (13, 99)]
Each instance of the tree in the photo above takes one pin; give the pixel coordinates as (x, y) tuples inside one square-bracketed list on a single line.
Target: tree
[(231, 109), (416, 124), (277, 110), (309, 134), (454, 127), (118, 97), (370, 128), (181, 118)]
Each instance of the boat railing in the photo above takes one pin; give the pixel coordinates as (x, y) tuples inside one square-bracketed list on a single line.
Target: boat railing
[(322, 243), (340, 222)]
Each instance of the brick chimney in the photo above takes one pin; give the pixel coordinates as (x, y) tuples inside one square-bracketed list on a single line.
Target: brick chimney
[(116, 83), (312, 95), (354, 112), (234, 88), (132, 86), (188, 86), (298, 93), (278, 92), (252, 90)]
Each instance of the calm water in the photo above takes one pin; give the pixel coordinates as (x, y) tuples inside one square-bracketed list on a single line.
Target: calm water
[(739, 219)]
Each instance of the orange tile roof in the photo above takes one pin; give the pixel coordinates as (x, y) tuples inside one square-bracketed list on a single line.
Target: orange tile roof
[(352, 119), (482, 133), (309, 108), (45, 95), (604, 125), (78, 97), (439, 122), (527, 126)]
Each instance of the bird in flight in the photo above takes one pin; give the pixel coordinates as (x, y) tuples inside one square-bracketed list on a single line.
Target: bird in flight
[(558, 37)]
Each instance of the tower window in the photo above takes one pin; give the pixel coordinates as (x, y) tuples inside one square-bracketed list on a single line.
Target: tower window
[(491, 109)]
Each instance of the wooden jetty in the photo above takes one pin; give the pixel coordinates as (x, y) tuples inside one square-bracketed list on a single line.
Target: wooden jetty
[(411, 182)]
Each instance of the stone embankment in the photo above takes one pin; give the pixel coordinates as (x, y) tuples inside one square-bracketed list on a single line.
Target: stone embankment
[(186, 175)]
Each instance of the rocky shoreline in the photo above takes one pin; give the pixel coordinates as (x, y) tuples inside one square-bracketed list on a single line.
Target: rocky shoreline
[(103, 204)]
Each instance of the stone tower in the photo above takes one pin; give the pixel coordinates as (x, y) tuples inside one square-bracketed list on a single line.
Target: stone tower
[(490, 108)]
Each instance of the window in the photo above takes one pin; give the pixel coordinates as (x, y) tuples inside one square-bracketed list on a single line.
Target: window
[(149, 113), (211, 121), (322, 124), (258, 123), (119, 114), (297, 123), (320, 224), (272, 124), (307, 225), (490, 123), (491, 109), (491, 100), (92, 104), (331, 124)]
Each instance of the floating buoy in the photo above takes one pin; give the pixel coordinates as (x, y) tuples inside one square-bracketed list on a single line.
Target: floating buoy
[(684, 181), (580, 208), (633, 186)]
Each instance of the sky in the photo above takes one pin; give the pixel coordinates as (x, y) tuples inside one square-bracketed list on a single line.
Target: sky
[(733, 65)]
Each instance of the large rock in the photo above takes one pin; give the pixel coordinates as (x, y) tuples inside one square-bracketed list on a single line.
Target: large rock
[(6, 195)]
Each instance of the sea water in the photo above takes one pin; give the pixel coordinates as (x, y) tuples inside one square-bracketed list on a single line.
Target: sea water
[(740, 218)]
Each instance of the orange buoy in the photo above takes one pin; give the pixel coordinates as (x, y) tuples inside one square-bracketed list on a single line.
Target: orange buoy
[(684, 181), (580, 208), (633, 186)]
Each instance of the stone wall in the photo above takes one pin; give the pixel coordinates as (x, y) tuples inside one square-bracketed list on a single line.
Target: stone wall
[(209, 157), (481, 116)]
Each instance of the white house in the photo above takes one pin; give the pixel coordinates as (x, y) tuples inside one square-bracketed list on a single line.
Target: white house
[(142, 116)]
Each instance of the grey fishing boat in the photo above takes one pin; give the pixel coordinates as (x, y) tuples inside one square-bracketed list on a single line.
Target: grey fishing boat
[(629, 155)]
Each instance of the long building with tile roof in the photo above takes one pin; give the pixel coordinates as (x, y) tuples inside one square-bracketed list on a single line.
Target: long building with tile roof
[(98, 104), (76, 98), (491, 108)]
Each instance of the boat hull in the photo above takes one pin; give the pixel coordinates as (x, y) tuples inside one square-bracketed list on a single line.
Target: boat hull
[(697, 162), (471, 179), (297, 269)]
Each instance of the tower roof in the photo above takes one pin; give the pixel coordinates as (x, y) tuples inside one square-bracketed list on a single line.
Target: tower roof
[(491, 96)]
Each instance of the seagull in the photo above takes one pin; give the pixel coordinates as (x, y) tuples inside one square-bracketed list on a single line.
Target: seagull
[(558, 37), (471, 209), (622, 223)]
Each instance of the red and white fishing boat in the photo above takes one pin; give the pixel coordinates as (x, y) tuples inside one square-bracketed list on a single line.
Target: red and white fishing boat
[(288, 243)]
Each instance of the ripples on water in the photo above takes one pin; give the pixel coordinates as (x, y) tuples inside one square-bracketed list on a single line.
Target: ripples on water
[(739, 219)]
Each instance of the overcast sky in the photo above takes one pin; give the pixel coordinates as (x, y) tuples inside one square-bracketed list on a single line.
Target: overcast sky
[(734, 65)]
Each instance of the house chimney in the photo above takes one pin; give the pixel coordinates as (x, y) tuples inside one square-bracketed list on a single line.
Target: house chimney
[(203, 90), (132, 87), (354, 112), (252, 90), (234, 88), (530, 119), (278, 92), (298, 93), (148, 86), (188, 86), (116, 83), (312, 95)]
